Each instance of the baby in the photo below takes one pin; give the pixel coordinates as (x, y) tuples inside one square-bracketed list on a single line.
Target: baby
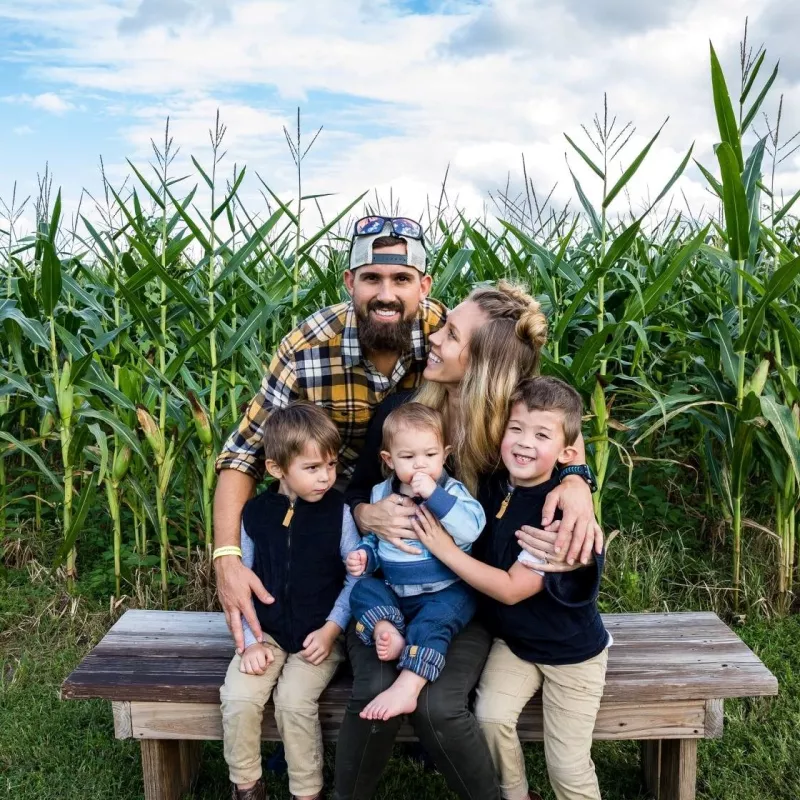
[(413, 613)]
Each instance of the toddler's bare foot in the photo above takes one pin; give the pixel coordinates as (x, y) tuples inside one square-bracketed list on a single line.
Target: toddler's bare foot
[(389, 642), (399, 698)]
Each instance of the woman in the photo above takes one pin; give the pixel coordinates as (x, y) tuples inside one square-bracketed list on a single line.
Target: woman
[(489, 343)]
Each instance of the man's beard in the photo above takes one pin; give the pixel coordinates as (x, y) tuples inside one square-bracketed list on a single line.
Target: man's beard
[(384, 337)]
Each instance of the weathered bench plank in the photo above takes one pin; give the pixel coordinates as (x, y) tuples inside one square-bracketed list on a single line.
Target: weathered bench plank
[(668, 676), (156, 655)]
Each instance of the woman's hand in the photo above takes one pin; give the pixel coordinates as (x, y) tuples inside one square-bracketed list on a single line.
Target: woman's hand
[(579, 529), (541, 544), (431, 533), (389, 519)]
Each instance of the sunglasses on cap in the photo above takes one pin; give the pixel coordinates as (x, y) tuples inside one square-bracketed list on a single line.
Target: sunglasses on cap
[(401, 226)]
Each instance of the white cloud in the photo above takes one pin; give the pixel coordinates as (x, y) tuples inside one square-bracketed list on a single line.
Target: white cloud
[(474, 88), (22, 130), (47, 101)]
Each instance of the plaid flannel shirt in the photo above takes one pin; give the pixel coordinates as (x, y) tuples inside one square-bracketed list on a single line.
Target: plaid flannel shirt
[(321, 361)]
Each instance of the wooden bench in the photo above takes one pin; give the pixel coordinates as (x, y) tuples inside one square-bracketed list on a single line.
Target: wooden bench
[(668, 676)]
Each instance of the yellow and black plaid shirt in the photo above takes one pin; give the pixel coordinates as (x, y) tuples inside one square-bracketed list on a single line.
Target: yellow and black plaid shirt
[(321, 361)]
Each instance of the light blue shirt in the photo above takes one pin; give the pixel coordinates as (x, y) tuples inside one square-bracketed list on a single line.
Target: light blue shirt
[(410, 574)]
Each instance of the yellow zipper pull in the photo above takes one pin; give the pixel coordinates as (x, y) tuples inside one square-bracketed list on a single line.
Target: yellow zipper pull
[(289, 514), (504, 506)]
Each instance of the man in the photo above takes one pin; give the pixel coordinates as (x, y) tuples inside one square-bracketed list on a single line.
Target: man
[(345, 358)]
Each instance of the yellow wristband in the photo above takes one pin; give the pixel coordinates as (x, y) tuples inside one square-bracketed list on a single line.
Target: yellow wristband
[(231, 550)]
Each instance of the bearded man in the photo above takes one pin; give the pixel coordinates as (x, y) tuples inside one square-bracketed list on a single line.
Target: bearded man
[(346, 358)]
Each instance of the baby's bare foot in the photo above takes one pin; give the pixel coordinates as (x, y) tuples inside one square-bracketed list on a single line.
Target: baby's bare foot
[(389, 642), (399, 698)]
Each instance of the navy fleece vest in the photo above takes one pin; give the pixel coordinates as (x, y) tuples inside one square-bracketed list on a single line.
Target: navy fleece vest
[(299, 563)]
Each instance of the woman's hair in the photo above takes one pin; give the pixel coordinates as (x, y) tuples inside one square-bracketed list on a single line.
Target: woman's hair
[(413, 416), (502, 352)]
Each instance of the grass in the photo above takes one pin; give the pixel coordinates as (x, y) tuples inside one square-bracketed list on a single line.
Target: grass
[(52, 749)]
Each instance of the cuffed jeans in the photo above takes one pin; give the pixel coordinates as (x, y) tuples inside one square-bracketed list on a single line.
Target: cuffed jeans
[(443, 722), (429, 621)]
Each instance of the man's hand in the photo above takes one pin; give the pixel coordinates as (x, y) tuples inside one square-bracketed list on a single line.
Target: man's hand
[(256, 659), (578, 528), (390, 520), (356, 563), (236, 585), (431, 533), (541, 544), (423, 485), (318, 644)]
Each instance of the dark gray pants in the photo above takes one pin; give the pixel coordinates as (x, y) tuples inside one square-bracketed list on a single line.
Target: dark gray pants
[(443, 722)]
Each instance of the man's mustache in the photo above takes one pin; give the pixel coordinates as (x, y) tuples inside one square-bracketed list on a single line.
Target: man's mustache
[(375, 305)]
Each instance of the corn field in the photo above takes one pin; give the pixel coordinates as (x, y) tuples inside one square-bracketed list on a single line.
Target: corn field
[(130, 344)]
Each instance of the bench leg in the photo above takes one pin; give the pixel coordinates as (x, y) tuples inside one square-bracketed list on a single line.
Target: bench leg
[(169, 767), (669, 768)]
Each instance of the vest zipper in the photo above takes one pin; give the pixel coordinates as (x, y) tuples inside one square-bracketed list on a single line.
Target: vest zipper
[(504, 505), (287, 522)]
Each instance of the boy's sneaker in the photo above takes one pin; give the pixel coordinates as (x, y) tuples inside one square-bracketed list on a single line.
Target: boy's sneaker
[(257, 792)]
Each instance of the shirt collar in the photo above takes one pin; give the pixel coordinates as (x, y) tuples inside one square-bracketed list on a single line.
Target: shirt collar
[(351, 347)]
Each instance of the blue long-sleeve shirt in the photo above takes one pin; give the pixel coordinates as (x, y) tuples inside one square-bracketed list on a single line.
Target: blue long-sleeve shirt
[(410, 574), (340, 613)]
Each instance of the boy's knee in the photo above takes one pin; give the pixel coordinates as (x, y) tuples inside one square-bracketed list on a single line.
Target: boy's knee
[(290, 696)]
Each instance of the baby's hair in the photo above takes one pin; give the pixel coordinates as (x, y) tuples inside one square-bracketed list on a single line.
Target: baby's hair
[(551, 394), (289, 430), (415, 416)]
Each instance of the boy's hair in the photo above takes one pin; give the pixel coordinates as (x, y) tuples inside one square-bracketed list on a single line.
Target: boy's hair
[(289, 430), (412, 415), (551, 394)]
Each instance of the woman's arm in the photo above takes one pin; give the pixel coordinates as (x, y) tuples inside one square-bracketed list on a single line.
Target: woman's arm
[(509, 587)]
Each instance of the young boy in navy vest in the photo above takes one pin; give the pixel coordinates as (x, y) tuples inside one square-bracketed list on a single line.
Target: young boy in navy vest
[(548, 632), (413, 612), (295, 536)]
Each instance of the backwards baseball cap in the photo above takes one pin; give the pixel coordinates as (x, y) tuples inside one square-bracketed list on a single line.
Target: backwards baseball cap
[(368, 229)]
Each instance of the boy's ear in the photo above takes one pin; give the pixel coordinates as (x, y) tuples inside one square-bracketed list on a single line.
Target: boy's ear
[(568, 455), (274, 469), (447, 450), (387, 459)]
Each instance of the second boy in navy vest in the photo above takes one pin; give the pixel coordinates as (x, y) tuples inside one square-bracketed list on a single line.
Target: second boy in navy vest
[(295, 537), (548, 632)]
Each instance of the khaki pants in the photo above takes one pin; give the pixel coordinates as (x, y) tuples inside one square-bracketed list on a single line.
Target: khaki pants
[(570, 700), (297, 686)]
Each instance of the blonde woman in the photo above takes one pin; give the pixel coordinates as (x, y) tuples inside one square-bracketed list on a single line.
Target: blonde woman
[(489, 343)]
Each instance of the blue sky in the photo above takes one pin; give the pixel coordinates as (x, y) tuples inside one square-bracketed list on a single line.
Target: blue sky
[(402, 88)]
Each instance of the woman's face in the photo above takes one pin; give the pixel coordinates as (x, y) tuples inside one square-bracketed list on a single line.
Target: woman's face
[(447, 360)]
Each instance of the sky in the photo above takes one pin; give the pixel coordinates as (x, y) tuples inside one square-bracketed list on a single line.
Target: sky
[(403, 91)]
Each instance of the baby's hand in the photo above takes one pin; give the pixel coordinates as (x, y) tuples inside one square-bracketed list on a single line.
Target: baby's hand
[(356, 562), (423, 485), (256, 659)]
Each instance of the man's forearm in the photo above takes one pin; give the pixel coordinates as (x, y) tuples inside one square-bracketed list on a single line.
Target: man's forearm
[(234, 489)]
